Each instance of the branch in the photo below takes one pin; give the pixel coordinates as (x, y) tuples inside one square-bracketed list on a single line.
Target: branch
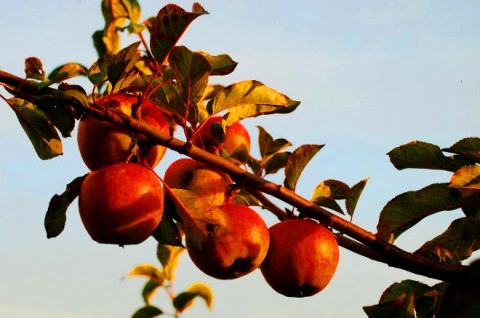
[(364, 242)]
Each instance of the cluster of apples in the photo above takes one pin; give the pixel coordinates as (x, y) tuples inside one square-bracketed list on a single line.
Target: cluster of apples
[(122, 202)]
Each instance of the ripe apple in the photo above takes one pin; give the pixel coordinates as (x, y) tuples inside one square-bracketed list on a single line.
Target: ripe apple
[(238, 250), (302, 258), (121, 204), (102, 143), (208, 183), (236, 136)]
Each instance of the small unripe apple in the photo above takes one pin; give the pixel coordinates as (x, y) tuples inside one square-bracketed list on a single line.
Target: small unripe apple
[(239, 250), (302, 258), (121, 204), (102, 143), (236, 135), (208, 183)]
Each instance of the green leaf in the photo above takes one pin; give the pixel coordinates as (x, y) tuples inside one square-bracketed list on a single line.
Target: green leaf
[(454, 245), (56, 215), (276, 162), (186, 299), (34, 69), (39, 129), (248, 99), (59, 113), (407, 209), (297, 161), (466, 180), (268, 145), (461, 298), (149, 290), (246, 198), (199, 218), (65, 72), (166, 95), (98, 72), (170, 24), (351, 202), (147, 312), (326, 192), (149, 271), (467, 147), (77, 93), (122, 63), (191, 71), (220, 64), (169, 257), (401, 307), (404, 297), (167, 232), (421, 155)]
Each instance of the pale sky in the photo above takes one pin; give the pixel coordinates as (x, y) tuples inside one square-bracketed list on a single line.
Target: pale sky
[(371, 75)]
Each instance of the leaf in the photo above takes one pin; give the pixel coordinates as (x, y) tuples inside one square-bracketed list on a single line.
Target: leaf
[(59, 113), (401, 307), (56, 215), (64, 72), (170, 24), (169, 257), (98, 72), (199, 218), (191, 71), (466, 180), (122, 63), (220, 64), (421, 155), (461, 298), (268, 145), (186, 299), (456, 244), (351, 202), (248, 99), (149, 271), (166, 94), (276, 162), (402, 298), (296, 162), (467, 147), (39, 129), (409, 208), (326, 192), (147, 312), (245, 198), (167, 232), (149, 290), (34, 69)]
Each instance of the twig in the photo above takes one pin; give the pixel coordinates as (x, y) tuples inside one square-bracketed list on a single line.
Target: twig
[(383, 251)]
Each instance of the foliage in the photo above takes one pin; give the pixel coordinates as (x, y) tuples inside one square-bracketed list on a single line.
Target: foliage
[(176, 79)]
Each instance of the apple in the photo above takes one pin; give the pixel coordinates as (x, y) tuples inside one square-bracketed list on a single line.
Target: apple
[(121, 204), (208, 183), (236, 135), (102, 143), (302, 258), (238, 250)]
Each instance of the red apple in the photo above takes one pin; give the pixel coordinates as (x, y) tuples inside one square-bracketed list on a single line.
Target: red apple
[(236, 136), (302, 258), (208, 183), (121, 204), (102, 143), (239, 250)]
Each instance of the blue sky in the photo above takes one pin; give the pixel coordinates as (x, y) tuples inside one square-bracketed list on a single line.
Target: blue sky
[(371, 75)]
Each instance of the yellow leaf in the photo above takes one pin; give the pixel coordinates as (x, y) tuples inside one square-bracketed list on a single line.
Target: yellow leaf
[(149, 271)]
